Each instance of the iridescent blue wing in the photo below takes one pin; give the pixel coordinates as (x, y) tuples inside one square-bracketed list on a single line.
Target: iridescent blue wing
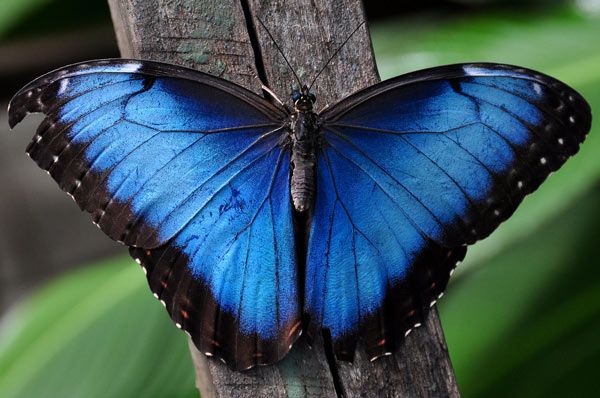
[(411, 171), (188, 170)]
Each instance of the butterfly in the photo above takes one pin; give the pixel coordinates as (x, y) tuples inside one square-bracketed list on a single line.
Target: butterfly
[(255, 222)]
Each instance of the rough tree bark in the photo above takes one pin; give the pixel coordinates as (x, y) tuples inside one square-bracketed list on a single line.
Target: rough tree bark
[(225, 39)]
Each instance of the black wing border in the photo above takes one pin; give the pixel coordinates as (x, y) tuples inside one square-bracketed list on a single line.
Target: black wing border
[(20, 105), (454, 71)]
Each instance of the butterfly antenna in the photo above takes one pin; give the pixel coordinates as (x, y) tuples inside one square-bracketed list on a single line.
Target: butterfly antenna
[(264, 87), (281, 52), (335, 53)]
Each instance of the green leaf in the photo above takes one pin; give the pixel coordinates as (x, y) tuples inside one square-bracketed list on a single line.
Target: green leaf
[(525, 322), (557, 41), (12, 12), (26, 18), (95, 333)]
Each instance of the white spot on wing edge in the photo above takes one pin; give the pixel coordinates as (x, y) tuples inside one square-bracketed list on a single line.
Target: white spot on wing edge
[(475, 70), (385, 354), (129, 68), (63, 86)]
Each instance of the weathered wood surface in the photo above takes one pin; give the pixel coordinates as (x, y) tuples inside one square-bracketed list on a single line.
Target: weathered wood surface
[(217, 37), (208, 35)]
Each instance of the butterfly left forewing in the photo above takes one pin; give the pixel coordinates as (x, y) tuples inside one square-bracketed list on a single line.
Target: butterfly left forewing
[(413, 169), (131, 141)]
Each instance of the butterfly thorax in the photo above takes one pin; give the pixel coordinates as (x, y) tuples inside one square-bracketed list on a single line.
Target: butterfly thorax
[(304, 134)]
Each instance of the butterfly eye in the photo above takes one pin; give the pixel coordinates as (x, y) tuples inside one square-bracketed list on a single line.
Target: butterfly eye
[(312, 97), (296, 96)]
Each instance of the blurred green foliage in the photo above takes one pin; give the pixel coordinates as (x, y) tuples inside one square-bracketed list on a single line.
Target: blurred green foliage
[(526, 323), (25, 18), (521, 316), (13, 12), (94, 333)]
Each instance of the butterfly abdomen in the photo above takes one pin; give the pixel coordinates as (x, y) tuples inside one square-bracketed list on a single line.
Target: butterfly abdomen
[(303, 160)]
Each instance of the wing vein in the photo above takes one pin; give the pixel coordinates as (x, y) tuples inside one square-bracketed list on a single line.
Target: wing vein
[(427, 209), (339, 199), (218, 172), (393, 132)]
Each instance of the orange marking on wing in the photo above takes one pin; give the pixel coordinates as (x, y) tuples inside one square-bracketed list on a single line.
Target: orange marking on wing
[(294, 328)]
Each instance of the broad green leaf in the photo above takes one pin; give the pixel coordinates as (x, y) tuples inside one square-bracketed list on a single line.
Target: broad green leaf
[(12, 12), (27, 18), (527, 322), (524, 323), (95, 333)]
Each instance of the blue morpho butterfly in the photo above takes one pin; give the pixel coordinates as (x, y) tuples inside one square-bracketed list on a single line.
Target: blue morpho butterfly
[(211, 186)]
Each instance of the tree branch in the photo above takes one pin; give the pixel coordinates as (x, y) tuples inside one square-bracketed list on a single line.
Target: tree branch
[(225, 39)]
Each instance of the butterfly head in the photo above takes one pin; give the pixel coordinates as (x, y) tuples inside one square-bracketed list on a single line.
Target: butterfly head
[(303, 99)]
